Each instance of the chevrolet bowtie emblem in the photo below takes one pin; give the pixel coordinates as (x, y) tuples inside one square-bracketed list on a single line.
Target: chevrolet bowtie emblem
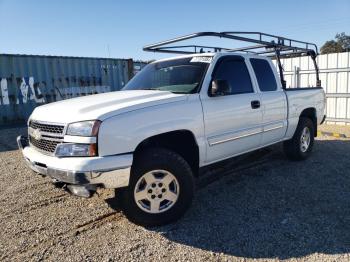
[(36, 134)]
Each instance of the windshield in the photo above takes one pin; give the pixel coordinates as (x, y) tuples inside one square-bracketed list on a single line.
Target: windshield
[(178, 76)]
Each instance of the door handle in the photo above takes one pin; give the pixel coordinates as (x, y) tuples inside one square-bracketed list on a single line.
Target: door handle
[(255, 104)]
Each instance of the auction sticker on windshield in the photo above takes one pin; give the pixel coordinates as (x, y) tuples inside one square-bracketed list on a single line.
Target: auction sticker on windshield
[(201, 59)]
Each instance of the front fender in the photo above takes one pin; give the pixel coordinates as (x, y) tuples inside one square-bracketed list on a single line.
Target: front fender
[(123, 133)]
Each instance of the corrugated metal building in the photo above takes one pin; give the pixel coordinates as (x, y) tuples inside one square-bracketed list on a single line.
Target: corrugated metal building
[(27, 81), (335, 78)]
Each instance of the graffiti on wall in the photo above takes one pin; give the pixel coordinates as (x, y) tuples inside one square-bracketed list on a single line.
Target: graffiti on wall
[(4, 92), (27, 90)]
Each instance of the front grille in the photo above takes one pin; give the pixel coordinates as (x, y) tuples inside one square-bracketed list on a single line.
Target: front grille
[(44, 145), (45, 136), (48, 128)]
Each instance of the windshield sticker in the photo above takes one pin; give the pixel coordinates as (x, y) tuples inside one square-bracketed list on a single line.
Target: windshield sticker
[(201, 59)]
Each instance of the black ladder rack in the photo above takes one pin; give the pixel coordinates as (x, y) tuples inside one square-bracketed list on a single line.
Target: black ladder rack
[(273, 46)]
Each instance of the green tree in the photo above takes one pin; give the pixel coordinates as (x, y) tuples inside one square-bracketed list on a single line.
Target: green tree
[(344, 41), (340, 44)]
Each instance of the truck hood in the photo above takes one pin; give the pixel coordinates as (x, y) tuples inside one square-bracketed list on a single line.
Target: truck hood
[(102, 106)]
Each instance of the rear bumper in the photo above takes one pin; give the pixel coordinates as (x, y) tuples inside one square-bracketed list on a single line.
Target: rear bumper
[(109, 172)]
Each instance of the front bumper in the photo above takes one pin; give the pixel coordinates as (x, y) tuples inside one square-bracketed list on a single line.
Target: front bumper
[(108, 172)]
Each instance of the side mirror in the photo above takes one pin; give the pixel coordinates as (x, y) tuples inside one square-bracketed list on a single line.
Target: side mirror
[(219, 87)]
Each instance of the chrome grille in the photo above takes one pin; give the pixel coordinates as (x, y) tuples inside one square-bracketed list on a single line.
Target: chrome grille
[(45, 136), (47, 128), (48, 146)]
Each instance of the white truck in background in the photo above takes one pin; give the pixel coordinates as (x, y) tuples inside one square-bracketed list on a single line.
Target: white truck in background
[(174, 117)]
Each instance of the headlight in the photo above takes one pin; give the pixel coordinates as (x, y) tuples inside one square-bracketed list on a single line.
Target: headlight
[(86, 128), (70, 149)]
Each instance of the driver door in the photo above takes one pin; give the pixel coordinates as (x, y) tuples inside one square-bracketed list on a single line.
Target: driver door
[(233, 119)]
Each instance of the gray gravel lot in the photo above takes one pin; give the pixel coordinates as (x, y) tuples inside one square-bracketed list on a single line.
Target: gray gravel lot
[(260, 206)]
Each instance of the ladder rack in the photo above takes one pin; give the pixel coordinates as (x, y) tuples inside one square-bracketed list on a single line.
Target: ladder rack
[(275, 47)]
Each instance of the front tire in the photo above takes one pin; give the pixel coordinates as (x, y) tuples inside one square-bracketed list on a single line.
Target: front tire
[(161, 188), (301, 144)]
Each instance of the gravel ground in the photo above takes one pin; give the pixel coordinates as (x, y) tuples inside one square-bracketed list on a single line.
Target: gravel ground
[(260, 206)]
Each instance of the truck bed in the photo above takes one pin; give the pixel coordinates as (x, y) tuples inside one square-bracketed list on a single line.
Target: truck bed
[(305, 97)]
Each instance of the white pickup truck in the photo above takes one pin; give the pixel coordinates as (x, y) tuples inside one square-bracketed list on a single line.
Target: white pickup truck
[(177, 115)]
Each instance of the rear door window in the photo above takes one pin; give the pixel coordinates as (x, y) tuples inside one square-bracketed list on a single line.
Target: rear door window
[(264, 75)]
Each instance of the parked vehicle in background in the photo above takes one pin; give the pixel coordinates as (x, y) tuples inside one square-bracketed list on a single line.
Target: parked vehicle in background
[(174, 117)]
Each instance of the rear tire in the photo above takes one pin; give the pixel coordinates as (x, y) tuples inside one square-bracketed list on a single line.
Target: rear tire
[(161, 188), (301, 144)]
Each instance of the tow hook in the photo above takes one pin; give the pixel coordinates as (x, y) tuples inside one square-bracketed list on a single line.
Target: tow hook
[(82, 191)]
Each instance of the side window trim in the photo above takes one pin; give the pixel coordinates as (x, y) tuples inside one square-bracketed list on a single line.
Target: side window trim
[(234, 58)]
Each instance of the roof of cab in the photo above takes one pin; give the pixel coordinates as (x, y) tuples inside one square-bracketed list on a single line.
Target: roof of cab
[(245, 55)]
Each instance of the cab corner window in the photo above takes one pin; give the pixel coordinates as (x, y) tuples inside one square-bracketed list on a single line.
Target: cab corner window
[(264, 74), (231, 77)]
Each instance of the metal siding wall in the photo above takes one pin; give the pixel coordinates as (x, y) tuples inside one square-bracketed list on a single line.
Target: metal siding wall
[(29, 81), (335, 78)]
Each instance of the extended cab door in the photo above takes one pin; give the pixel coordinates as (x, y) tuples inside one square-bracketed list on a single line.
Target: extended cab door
[(232, 118), (273, 100)]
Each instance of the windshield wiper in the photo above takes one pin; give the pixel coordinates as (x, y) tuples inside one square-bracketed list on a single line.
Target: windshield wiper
[(177, 92), (149, 89)]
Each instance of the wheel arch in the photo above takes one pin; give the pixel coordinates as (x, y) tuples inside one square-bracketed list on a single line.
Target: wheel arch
[(310, 113), (181, 141)]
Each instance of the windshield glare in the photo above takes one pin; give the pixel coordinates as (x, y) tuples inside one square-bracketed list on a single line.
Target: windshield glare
[(177, 76)]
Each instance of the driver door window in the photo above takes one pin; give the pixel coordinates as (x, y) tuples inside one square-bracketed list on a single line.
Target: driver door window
[(236, 74)]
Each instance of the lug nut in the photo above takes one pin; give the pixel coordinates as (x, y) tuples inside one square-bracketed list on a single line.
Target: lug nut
[(163, 190), (160, 196), (153, 196), (154, 185), (150, 191), (160, 184)]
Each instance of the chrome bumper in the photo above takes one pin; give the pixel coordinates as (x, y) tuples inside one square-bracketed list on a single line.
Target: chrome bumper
[(108, 178)]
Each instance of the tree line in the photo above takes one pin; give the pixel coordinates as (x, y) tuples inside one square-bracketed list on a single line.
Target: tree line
[(341, 43)]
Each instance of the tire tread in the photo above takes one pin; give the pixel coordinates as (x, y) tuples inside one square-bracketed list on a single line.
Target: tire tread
[(292, 147)]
